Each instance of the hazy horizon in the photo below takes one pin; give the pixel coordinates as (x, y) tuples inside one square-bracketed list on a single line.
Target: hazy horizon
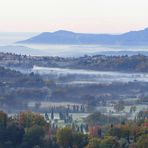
[(85, 16)]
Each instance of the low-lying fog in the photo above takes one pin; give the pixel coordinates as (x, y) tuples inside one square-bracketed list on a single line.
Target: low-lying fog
[(8, 40), (77, 76), (72, 50)]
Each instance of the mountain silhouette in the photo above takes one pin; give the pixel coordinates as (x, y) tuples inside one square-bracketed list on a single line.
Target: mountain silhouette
[(67, 37)]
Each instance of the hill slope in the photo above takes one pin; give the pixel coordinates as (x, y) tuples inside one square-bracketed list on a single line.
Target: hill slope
[(67, 37)]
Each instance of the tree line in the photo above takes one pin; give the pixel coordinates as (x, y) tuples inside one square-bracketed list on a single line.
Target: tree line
[(30, 130)]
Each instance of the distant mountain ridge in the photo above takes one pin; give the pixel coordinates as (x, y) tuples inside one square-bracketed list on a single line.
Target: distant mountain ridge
[(67, 37)]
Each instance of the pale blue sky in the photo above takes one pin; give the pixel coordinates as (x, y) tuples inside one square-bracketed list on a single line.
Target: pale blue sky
[(98, 16)]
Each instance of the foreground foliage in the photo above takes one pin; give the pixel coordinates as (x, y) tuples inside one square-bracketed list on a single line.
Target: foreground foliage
[(29, 130)]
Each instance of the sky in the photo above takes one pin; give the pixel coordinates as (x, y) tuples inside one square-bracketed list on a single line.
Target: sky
[(90, 16)]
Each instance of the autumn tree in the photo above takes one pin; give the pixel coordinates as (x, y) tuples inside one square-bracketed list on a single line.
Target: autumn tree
[(94, 143), (79, 140), (64, 137), (34, 137), (142, 142), (3, 119), (28, 119), (109, 142)]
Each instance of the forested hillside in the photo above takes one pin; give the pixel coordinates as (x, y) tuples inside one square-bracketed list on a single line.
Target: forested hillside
[(136, 63), (16, 89)]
